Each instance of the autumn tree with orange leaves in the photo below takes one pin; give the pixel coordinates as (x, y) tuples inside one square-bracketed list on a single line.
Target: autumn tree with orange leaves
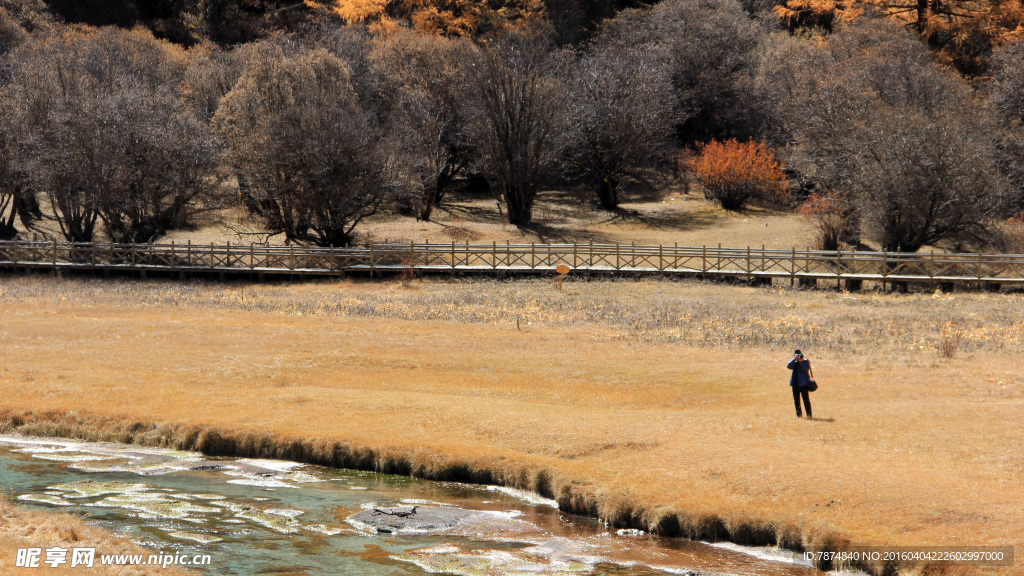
[(443, 17), (963, 32), (734, 172)]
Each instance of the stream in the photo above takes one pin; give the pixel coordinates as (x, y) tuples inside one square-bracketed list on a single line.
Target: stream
[(276, 517)]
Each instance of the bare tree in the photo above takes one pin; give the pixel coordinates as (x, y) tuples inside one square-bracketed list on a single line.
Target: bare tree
[(709, 47), (211, 72), (518, 116), (17, 198), (114, 141), (19, 18), (874, 117), (1007, 96), (621, 111), (314, 160), (424, 82), (1008, 85), (168, 164)]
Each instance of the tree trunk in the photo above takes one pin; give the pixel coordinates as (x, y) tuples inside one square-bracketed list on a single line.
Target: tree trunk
[(336, 237), (27, 206), (519, 201), (430, 198), (608, 193), (7, 229), (924, 8)]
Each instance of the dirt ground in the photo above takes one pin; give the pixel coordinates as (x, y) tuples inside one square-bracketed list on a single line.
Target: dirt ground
[(670, 214)]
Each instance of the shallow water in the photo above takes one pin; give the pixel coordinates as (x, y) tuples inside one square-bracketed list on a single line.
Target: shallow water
[(274, 517)]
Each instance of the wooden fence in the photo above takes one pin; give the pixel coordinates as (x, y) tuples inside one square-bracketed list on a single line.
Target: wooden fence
[(750, 263)]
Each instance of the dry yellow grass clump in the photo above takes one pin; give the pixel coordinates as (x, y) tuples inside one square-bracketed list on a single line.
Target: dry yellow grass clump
[(654, 404), (21, 528)]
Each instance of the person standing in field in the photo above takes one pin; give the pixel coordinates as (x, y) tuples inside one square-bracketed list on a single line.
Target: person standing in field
[(800, 380)]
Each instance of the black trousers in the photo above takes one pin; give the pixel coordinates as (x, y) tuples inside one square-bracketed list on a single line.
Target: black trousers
[(801, 391)]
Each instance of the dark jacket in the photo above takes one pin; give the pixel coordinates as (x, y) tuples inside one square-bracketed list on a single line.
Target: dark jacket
[(801, 373)]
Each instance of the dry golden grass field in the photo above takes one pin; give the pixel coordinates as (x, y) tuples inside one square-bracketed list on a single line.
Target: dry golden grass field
[(649, 403), (20, 528)]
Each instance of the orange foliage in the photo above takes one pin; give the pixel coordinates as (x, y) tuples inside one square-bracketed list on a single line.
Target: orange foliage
[(384, 26), (431, 20), (962, 31), (823, 14), (733, 172), (441, 17), (352, 11)]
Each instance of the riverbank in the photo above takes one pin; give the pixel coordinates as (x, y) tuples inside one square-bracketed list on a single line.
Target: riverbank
[(21, 528), (659, 405)]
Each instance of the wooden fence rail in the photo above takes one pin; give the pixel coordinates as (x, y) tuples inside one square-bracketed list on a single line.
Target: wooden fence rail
[(590, 257)]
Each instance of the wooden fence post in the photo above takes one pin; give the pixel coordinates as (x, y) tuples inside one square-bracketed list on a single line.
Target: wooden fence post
[(792, 269), (839, 269), (885, 268)]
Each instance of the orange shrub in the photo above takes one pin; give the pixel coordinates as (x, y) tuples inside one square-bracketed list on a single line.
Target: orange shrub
[(441, 17), (836, 218), (733, 172)]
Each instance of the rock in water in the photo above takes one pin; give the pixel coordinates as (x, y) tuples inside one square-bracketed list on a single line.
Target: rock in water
[(409, 518)]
